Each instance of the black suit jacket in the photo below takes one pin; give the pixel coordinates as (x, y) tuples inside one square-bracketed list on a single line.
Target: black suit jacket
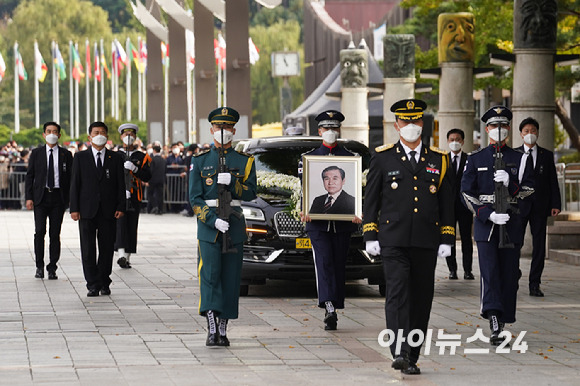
[(88, 191), (546, 190), (455, 179), (344, 204), (36, 174)]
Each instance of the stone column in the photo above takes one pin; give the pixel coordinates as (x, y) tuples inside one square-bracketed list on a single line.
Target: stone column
[(399, 70), (456, 44), (178, 109), (535, 28), (155, 110), (354, 77)]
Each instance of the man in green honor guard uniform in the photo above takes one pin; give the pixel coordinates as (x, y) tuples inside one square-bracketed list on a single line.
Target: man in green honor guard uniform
[(219, 266)]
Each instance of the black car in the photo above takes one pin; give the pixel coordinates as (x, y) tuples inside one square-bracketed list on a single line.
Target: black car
[(277, 245)]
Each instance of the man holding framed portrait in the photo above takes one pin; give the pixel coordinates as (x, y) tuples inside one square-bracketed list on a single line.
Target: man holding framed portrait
[(332, 210)]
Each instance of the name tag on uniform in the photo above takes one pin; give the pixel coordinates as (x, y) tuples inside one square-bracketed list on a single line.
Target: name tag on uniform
[(394, 173), (484, 169)]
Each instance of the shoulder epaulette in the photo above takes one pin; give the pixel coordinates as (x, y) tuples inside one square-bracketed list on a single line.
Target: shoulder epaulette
[(201, 152), (475, 151), (437, 150), (246, 154), (387, 146)]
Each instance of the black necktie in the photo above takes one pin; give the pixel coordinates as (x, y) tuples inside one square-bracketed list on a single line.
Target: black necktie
[(530, 161), (328, 204), (99, 164), (454, 164), (50, 178), (412, 159)]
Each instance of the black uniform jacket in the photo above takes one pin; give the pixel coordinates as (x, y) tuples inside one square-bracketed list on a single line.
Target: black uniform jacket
[(36, 174), (88, 191), (406, 208)]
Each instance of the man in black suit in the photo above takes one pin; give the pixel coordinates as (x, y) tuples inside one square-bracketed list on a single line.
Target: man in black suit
[(543, 203), (463, 216), (156, 183), (97, 199), (47, 187), (337, 201)]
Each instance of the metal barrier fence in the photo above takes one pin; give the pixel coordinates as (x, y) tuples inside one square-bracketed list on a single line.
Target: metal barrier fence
[(569, 181)]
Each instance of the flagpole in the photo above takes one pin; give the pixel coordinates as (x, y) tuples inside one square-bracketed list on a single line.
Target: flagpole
[(16, 91), (166, 96), (113, 80), (139, 80), (96, 84), (102, 53), (87, 82), (71, 97), (36, 89), (54, 81), (57, 90), (128, 80), (77, 120)]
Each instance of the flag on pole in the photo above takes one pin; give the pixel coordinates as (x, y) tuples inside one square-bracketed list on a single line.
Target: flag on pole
[(40, 68), (143, 55), (134, 54), (78, 71), (2, 67), (165, 54), (121, 54), (254, 53), (97, 67), (59, 62), (219, 48), (88, 60), (190, 49), (104, 64), (22, 74)]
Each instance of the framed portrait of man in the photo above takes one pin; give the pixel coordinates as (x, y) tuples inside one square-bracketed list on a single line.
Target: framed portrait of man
[(332, 187)]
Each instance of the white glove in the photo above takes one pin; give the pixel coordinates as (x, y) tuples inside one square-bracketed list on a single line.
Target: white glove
[(499, 218), (444, 250), (222, 225), (127, 194), (224, 178), (373, 247), (501, 176), (130, 166)]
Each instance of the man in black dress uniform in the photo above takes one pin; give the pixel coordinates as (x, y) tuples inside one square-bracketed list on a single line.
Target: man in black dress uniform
[(137, 170), (47, 188), (408, 221), (330, 239), (543, 203)]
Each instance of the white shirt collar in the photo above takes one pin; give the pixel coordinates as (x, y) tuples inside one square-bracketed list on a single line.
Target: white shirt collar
[(408, 149)]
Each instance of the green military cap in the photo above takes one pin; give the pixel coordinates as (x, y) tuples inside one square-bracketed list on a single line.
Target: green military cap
[(128, 126), (224, 115), (409, 109)]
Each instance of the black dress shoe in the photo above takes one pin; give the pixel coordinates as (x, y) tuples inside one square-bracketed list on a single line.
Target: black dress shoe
[(496, 328), (105, 291), (223, 340), (330, 320), (93, 292), (468, 276), (400, 363), (39, 273), (123, 263), (412, 370), (212, 339), (52, 275), (453, 275), (537, 292)]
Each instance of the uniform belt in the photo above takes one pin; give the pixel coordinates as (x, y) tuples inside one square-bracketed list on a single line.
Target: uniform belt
[(214, 203), (51, 190), (490, 199)]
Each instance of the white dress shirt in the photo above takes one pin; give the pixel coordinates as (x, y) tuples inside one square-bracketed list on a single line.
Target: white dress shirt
[(55, 161)]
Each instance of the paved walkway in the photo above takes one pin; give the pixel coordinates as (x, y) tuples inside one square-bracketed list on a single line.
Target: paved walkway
[(148, 331)]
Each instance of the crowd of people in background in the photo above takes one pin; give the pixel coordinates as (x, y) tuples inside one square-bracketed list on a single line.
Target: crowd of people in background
[(170, 160)]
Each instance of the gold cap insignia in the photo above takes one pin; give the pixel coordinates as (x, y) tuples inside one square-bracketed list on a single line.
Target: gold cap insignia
[(410, 105), (498, 110), (330, 114), (224, 111)]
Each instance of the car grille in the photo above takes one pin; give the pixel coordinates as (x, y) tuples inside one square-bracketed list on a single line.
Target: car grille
[(288, 226)]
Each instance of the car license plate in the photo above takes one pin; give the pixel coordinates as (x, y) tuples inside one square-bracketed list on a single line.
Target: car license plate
[(303, 243)]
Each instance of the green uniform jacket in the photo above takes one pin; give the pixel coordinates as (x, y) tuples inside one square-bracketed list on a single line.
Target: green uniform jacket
[(203, 186)]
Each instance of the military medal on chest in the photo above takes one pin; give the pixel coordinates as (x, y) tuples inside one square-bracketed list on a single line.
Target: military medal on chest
[(209, 181)]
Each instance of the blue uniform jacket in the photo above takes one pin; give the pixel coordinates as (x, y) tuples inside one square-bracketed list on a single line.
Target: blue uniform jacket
[(477, 186)]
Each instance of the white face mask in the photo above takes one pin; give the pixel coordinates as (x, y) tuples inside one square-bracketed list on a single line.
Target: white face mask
[(149, 151), (228, 136), (455, 146), (530, 139), (99, 140), (175, 151), (330, 136), (51, 139), (128, 140), (411, 132), (495, 134)]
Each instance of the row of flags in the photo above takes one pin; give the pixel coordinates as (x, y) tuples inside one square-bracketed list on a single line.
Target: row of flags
[(121, 58)]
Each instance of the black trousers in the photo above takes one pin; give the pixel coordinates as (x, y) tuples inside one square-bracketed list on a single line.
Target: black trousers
[(98, 230), (464, 219), (410, 284), (127, 230), (50, 207), (155, 197), (538, 223)]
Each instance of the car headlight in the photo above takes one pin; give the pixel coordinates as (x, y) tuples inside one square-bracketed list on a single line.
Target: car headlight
[(254, 214)]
